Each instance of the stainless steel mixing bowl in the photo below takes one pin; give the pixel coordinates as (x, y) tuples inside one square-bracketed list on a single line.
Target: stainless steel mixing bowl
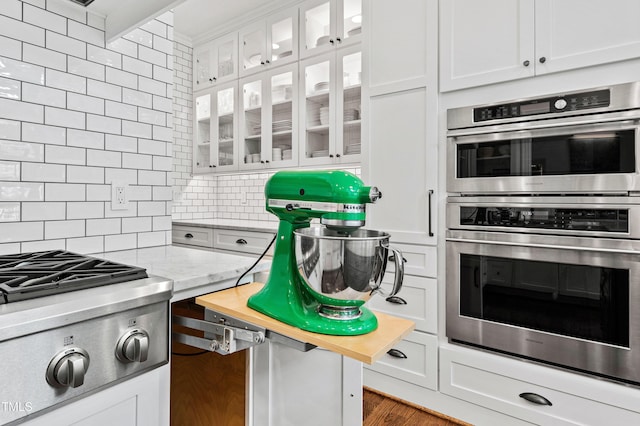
[(344, 267)]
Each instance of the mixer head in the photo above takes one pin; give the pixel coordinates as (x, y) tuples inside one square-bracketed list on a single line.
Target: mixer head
[(337, 198)]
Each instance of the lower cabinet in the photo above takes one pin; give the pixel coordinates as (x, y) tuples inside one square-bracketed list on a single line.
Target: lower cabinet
[(235, 240), (192, 235), (534, 393)]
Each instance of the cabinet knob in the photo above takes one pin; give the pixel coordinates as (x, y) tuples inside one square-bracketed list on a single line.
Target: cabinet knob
[(213, 165), (262, 161), (543, 60), (525, 63), (211, 79), (267, 61), (261, 62), (267, 161)]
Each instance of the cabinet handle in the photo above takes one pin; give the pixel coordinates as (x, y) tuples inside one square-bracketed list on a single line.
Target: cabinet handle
[(331, 41), (261, 62), (213, 165), (392, 258), (267, 61), (338, 155), (535, 398), (267, 161), (262, 161), (211, 80), (188, 235), (543, 60), (330, 155), (396, 299), (397, 353), (241, 241), (338, 39), (525, 63), (430, 196)]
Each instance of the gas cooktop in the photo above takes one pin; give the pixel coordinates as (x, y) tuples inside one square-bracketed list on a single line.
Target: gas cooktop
[(30, 275)]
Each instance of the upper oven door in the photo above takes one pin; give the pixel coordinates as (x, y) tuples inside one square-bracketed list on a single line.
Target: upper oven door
[(550, 156)]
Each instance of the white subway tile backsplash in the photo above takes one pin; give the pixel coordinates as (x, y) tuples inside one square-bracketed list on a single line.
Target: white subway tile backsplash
[(140, 36), (21, 31), (104, 158), (78, 102), (151, 116), (68, 45), (12, 9), (64, 192), (44, 211), (42, 172), (156, 27), (148, 177), (135, 129), (43, 95), (9, 212), (123, 46), (137, 66), (44, 245), (85, 174), (47, 20), (151, 208), (39, 3), (103, 226), (16, 110), (99, 123), (149, 146), (122, 78), (22, 71), (64, 155), (163, 133), (85, 210), (64, 118), (138, 98), (151, 86), (84, 139), (96, 21), (161, 223), (104, 90), (162, 44), (64, 81), (140, 193), (120, 110), (45, 57), (121, 143), (9, 170), (162, 103), (151, 239), (86, 33), (121, 175), (10, 48), (120, 242), (136, 161), (104, 56), (86, 245), (10, 89), (163, 74), (68, 9), (32, 132), (21, 151), (98, 192), (9, 129), (21, 231), (85, 68), (63, 229), (21, 191), (162, 193), (136, 224), (162, 163)]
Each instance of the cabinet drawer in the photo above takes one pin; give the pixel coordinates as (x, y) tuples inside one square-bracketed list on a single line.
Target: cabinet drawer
[(420, 260), (419, 364), (192, 235), (242, 241), (421, 297), (496, 383)]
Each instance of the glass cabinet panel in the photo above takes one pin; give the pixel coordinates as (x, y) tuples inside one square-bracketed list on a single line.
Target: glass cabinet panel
[(226, 52), (318, 109), (281, 39), (351, 103), (201, 67), (225, 127), (352, 18), (282, 117), (317, 26), (252, 121), (202, 151), (253, 49)]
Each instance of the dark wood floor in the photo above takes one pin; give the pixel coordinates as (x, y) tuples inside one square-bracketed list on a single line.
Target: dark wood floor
[(382, 410)]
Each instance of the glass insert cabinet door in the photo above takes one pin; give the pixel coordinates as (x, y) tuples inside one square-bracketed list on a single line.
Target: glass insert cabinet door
[(284, 105), (351, 134), (318, 109), (252, 118), (202, 134), (225, 126), (226, 58), (329, 24)]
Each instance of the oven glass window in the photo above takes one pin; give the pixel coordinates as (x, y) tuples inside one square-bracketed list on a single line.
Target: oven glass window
[(573, 300), (584, 153)]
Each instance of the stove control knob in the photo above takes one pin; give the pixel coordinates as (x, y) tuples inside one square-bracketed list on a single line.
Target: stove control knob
[(133, 346), (68, 368)]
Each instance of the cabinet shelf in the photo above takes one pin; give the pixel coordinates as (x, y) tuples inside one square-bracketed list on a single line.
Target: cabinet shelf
[(253, 137), (318, 96), (320, 129), (352, 123), (225, 141)]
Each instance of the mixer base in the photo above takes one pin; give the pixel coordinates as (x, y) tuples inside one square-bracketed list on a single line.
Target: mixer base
[(339, 312)]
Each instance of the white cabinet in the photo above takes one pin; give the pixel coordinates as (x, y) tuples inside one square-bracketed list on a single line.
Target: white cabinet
[(215, 62), (327, 24), (269, 42), (269, 119), (330, 115), (489, 41), (215, 133)]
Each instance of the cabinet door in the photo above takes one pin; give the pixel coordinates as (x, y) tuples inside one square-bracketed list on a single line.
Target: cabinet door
[(226, 58), (282, 37), (317, 27), (202, 133), (348, 22), (349, 105), (253, 46), (579, 33), (224, 132), (253, 122), (283, 116), (486, 42), (202, 72)]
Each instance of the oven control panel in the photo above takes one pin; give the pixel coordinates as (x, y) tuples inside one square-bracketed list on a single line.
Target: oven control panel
[(560, 218), (554, 104)]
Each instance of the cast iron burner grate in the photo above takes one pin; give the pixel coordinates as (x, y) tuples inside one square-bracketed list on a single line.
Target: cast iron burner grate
[(30, 275)]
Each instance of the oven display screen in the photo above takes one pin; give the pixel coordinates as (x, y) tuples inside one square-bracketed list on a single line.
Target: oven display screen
[(535, 108)]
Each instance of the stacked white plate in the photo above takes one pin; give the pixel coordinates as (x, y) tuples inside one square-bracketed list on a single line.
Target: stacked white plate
[(281, 125), (320, 153), (323, 40), (324, 115), (286, 154), (276, 154), (350, 114), (321, 86), (352, 149)]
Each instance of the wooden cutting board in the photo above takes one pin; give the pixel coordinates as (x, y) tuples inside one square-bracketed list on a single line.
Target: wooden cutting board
[(367, 348)]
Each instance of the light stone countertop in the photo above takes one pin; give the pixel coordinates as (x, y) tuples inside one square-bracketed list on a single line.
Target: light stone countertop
[(194, 272), (243, 225)]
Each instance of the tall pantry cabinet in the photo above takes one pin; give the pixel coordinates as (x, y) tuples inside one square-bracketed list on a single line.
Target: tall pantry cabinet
[(401, 158)]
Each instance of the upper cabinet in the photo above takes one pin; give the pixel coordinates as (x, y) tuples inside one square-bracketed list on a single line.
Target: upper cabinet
[(489, 41), (270, 42), (215, 62), (327, 24)]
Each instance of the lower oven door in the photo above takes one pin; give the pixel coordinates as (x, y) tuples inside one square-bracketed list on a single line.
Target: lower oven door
[(562, 304)]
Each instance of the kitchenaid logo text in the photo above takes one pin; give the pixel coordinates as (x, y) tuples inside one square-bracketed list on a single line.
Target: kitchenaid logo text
[(16, 406), (353, 208)]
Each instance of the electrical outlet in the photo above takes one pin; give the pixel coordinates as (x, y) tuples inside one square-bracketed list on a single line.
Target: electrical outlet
[(243, 198), (119, 196)]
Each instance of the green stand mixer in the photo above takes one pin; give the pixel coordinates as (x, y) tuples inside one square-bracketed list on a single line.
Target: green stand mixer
[(321, 276)]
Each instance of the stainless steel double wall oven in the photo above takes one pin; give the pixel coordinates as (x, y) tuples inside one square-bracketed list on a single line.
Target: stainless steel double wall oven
[(543, 229)]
